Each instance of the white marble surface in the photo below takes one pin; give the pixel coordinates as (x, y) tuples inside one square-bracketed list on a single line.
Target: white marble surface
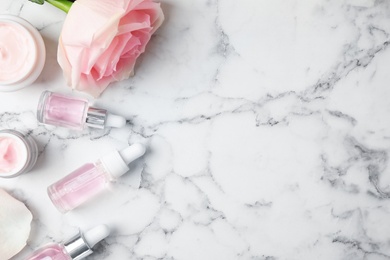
[(268, 133)]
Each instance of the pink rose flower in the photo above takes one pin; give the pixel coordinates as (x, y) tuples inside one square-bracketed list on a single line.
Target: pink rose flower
[(102, 39)]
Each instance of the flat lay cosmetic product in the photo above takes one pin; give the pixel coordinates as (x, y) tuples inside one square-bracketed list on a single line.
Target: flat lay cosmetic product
[(90, 179), (22, 53), (18, 153), (76, 248), (74, 113)]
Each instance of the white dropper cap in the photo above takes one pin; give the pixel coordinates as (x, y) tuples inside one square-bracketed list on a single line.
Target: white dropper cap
[(80, 245), (115, 120), (116, 163), (96, 234)]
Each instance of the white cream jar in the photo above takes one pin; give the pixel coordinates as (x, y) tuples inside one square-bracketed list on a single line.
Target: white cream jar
[(18, 153), (22, 53)]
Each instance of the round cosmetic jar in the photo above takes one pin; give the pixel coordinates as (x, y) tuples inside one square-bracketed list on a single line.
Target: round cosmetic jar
[(18, 153), (22, 53)]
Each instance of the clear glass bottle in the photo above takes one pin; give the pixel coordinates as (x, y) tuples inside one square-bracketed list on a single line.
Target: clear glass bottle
[(90, 179), (74, 113), (75, 248)]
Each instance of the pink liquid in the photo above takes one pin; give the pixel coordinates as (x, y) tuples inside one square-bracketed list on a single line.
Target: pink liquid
[(65, 111), (78, 187), (50, 252)]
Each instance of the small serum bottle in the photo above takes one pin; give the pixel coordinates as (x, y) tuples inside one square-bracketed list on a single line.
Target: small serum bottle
[(76, 248), (92, 178), (74, 113)]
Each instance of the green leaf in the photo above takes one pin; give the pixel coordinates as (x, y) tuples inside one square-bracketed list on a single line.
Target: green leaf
[(40, 2), (64, 5)]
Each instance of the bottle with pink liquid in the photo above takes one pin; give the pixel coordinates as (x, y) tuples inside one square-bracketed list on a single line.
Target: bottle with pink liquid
[(90, 179), (76, 248), (74, 113)]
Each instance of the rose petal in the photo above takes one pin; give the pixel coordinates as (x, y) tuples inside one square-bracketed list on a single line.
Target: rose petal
[(126, 41), (134, 20), (130, 47), (15, 225), (154, 11), (62, 59), (89, 84), (105, 59), (131, 5)]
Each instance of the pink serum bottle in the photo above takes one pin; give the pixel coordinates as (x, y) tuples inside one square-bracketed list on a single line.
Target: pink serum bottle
[(74, 113), (92, 178), (76, 248)]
